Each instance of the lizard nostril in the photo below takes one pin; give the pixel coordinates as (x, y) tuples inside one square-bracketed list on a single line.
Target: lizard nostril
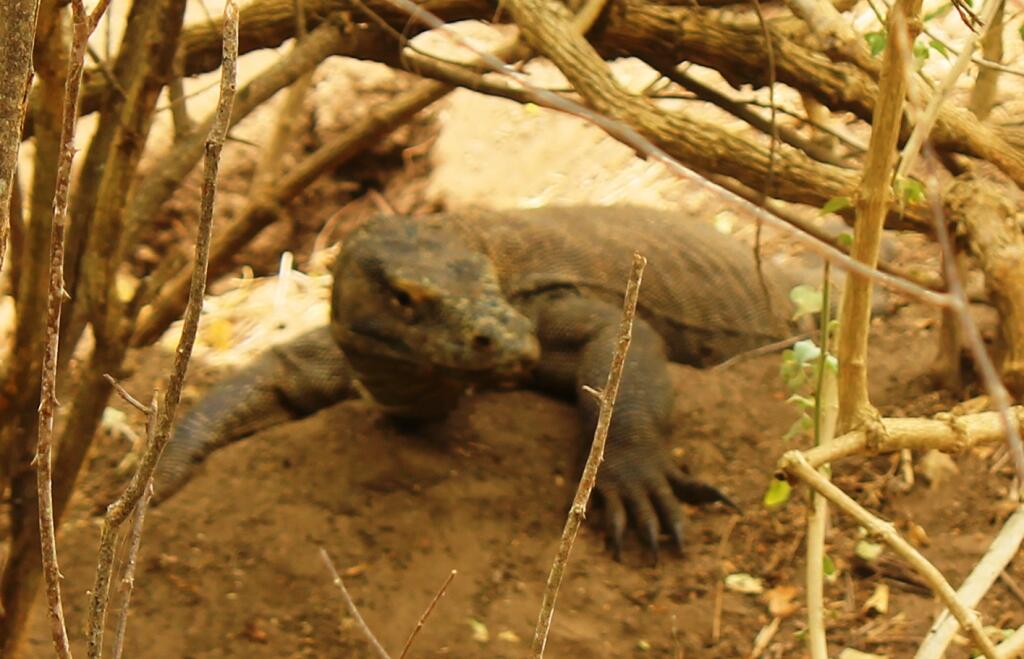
[(482, 342)]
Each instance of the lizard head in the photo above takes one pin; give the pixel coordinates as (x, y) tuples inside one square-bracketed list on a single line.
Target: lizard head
[(415, 292)]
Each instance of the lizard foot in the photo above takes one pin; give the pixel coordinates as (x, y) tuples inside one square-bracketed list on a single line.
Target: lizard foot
[(645, 487)]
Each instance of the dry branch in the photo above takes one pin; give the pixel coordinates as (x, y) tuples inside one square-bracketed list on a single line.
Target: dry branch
[(20, 392), (169, 169), (83, 25), (120, 510), (997, 392), (148, 46), (426, 614), (826, 408), (873, 199), (352, 608), (794, 463), (927, 119), (983, 94), (606, 397), (17, 37), (1013, 646), (134, 542), (663, 35), (987, 211), (946, 433), (1000, 553), (701, 144)]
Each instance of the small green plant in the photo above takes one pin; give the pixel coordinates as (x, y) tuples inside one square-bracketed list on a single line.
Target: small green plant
[(802, 371), (909, 190), (876, 42), (836, 204)]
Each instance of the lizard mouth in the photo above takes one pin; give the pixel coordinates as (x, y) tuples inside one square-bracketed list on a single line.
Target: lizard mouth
[(450, 358)]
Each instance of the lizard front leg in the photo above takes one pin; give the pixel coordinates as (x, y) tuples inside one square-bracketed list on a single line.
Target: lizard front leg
[(291, 380), (638, 480)]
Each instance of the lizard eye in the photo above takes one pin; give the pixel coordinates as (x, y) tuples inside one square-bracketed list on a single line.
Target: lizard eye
[(402, 298)]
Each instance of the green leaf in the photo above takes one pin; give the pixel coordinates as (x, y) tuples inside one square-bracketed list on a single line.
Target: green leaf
[(777, 494), (939, 47), (876, 42), (828, 565), (791, 371), (1021, 31), (807, 300), (910, 190), (836, 204), (921, 53), (806, 351), (845, 239)]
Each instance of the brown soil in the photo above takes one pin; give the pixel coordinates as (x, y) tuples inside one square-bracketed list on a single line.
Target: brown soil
[(231, 565)]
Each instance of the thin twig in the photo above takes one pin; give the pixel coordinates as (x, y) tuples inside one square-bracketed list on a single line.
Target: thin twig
[(426, 614), (589, 478), (766, 349), (135, 539), (795, 464), (123, 393), (120, 510), (352, 608), (985, 572), (741, 110), (83, 25), (980, 61), (825, 408), (1012, 585), (927, 119), (716, 610)]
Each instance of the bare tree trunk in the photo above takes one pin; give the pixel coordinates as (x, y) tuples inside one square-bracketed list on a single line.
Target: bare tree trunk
[(19, 420), (17, 36), (148, 51)]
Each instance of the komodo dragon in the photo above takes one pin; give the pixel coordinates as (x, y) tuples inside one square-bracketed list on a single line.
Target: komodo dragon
[(424, 308)]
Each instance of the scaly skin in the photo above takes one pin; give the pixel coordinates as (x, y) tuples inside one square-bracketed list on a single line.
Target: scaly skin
[(423, 308)]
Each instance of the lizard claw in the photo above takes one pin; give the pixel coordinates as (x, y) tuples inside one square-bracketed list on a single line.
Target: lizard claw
[(693, 491), (644, 487), (614, 521)]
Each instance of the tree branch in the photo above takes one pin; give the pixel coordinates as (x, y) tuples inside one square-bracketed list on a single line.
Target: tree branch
[(872, 201), (589, 478), (82, 26), (946, 432), (120, 510), (17, 37), (794, 463), (978, 582)]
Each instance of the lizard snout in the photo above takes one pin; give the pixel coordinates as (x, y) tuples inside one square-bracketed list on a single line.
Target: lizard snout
[(510, 346)]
